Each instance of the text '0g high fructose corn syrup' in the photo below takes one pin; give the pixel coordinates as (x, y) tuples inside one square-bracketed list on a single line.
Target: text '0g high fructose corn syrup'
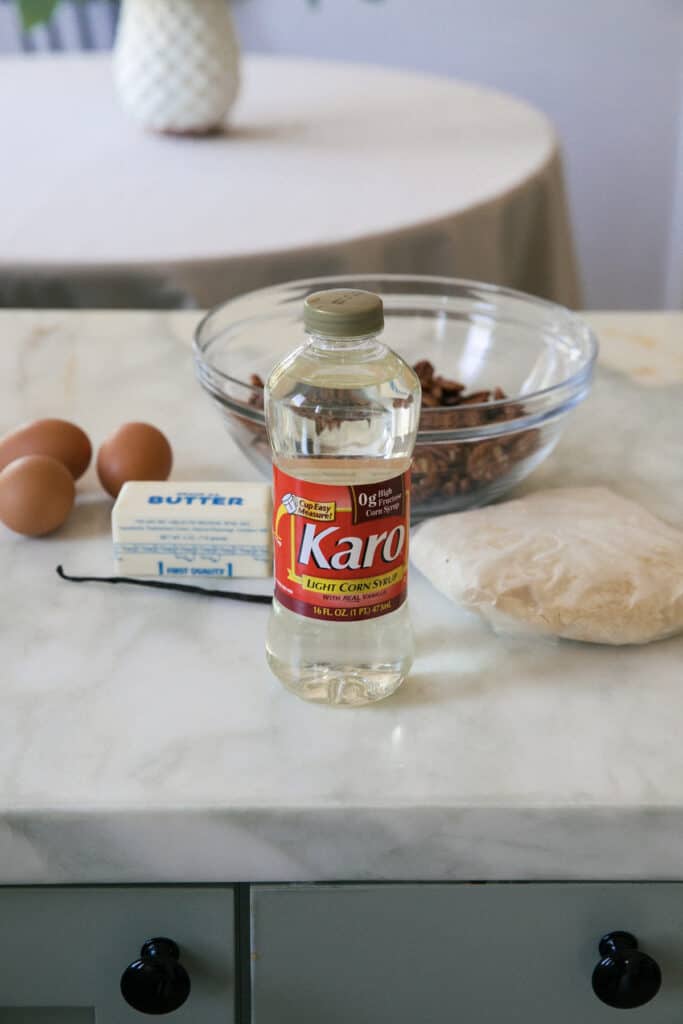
[(342, 413)]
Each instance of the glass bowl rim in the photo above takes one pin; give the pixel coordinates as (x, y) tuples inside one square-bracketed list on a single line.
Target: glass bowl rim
[(572, 387)]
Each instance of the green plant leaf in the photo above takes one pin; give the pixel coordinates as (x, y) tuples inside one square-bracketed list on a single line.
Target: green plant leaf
[(34, 11)]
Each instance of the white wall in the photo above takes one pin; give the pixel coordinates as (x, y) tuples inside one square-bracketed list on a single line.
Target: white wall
[(608, 72)]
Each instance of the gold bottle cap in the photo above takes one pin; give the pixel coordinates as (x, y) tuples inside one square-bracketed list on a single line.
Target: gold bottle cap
[(343, 313)]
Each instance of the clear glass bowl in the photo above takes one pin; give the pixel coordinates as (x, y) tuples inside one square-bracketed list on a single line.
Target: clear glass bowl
[(540, 354)]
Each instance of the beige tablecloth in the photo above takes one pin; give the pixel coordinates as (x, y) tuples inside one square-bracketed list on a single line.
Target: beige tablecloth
[(325, 169)]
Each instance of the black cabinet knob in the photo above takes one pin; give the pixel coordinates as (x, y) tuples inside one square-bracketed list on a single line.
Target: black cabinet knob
[(625, 977), (157, 982)]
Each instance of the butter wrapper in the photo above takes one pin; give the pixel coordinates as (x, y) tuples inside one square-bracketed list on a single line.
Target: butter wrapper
[(183, 530)]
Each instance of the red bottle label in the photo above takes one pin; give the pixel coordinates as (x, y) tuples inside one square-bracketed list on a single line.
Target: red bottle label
[(341, 551)]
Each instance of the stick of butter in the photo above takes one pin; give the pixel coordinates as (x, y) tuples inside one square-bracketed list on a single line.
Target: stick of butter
[(193, 529)]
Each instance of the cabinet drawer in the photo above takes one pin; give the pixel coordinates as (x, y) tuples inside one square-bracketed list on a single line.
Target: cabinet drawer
[(63, 950), (476, 954)]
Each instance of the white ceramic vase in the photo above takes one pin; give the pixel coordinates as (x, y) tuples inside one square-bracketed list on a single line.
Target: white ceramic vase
[(177, 63)]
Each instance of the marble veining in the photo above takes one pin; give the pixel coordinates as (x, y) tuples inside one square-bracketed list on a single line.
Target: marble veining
[(143, 738)]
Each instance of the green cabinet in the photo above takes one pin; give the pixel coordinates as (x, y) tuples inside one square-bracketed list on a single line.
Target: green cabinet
[(63, 950), (471, 954), (484, 953)]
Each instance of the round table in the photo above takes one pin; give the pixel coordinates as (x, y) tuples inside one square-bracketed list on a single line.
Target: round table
[(324, 168)]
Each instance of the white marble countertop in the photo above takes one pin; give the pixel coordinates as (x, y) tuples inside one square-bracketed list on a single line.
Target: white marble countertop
[(143, 738)]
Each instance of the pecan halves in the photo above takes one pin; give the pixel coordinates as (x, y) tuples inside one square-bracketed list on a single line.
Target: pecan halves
[(446, 469)]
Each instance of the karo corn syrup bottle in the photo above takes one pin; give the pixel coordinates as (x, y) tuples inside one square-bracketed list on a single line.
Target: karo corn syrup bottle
[(342, 412)]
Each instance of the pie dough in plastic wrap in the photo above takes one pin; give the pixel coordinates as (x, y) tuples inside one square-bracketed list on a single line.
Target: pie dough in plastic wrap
[(584, 564)]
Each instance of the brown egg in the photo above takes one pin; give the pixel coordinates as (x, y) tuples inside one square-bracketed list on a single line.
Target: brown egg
[(59, 439), (136, 451), (36, 495)]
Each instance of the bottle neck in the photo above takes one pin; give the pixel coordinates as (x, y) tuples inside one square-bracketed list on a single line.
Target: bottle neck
[(324, 343)]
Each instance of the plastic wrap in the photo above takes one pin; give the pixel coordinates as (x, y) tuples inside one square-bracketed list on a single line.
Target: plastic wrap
[(583, 564)]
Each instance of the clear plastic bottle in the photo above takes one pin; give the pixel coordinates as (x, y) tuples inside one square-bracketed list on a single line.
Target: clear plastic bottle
[(342, 413)]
